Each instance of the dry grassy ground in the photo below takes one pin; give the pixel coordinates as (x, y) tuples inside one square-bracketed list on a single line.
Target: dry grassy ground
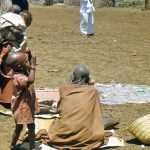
[(119, 50)]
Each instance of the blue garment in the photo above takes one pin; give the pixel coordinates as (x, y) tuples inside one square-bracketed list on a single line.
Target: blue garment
[(24, 4)]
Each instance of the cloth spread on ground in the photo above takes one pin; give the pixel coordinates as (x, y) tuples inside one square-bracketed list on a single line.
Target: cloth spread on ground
[(116, 93), (111, 93), (114, 141), (44, 94)]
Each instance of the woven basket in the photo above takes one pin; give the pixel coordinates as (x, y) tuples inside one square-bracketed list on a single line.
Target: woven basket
[(140, 128)]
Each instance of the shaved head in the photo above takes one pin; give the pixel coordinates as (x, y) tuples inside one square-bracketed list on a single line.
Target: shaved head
[(17, 58), (81, 74), (14, 9)]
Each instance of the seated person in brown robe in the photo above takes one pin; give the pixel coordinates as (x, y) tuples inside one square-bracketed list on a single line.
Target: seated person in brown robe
[(80, 125)]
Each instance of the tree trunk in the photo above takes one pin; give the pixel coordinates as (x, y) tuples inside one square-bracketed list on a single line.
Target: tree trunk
[(147, 4), (114, 3), (5, 4)]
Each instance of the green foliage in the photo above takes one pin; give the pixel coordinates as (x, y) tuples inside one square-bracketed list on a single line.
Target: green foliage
[(106, 3), (55, 1), (130, 3), (58, 1)]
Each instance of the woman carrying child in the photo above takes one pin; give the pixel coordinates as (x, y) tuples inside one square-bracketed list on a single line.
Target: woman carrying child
[(12, 38)]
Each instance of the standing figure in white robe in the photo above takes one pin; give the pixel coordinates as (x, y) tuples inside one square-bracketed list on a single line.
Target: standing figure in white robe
[(86, 17)]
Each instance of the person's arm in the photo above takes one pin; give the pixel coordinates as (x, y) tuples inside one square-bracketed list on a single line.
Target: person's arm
[(18, 33), (31, 76)]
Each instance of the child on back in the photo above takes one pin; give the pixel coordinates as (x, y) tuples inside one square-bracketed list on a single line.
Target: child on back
[(12, 27), (24, 100)]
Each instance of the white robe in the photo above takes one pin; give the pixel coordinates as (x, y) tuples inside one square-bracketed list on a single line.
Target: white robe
[(14, 20), (86, 17), (11, 19)]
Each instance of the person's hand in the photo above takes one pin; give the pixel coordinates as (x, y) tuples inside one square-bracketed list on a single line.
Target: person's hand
[(91, 82), (28, 50)]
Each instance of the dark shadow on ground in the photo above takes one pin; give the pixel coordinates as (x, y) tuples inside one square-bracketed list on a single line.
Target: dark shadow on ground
[(134, 141), (25, 146)]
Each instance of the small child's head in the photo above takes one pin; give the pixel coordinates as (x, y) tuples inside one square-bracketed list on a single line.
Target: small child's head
[(14, 9), (27, 16), (18, 61)]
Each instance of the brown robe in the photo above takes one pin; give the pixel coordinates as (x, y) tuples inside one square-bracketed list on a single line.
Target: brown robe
[(6, 90), (23, 100), (6, 85), (80, 125)]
